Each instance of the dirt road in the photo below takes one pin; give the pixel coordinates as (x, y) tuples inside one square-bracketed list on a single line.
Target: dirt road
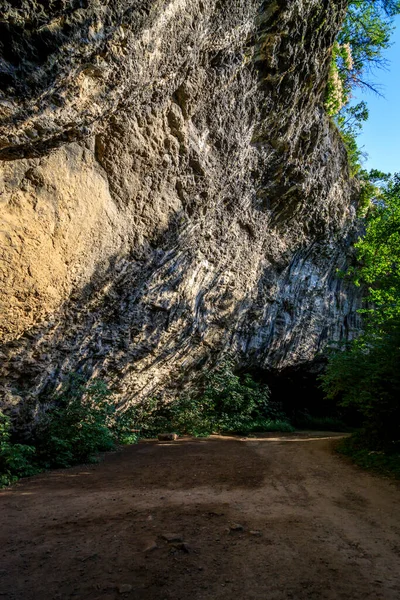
[(264, 519)]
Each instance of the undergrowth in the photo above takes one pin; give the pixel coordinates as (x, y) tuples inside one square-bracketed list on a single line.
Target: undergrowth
[(361, 452), (83, 420), (80, 422), (307, 421), (226, 403), (16, 460)]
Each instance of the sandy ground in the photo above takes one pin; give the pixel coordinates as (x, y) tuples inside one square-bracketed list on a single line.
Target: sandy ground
[(268, 518)]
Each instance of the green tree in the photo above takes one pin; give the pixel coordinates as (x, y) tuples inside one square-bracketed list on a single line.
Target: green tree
[(366, 374), (77, 426), (379, 257), (16, 460), (358, 50), (350, 121), (364, 37)]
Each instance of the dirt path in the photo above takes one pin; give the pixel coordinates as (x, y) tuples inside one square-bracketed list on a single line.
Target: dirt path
[(314, 527)]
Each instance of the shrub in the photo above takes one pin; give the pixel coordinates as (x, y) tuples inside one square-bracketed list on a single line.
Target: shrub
[(306, 421), (83, 420), (16, 460), (366, 376), (233, 403), (78, 426), (145, 419), (227, 403), (358, 449)]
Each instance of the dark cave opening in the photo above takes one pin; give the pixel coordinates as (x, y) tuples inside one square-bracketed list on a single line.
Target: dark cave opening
[(298, 390)]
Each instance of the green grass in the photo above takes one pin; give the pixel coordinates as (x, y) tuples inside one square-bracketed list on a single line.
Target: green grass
[(266, 425), (382, 463), (259, 426), (321, 423)]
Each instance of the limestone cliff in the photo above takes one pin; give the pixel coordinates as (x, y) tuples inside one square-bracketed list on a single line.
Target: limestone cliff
[(171, 188)]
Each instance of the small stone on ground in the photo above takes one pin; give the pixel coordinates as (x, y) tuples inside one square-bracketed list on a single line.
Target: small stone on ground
[(124, 588)]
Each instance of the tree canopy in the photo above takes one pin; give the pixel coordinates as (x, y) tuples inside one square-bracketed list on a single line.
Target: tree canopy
[(364, 37), (379, 256), (366, 374), (358, 51)]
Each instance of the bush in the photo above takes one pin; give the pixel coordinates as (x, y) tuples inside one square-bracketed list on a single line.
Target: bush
[(307, 421), (81, 422), (360, 449), (230, 403), (78, 426), (227, 403), (266, 425), (367, 377), (145, 419), (16, 460)]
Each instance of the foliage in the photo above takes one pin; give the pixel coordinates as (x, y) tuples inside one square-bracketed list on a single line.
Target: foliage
[(82, 421), (313, 423), (371, 188), (16, 460), (124, 428), (78, 426), (338, 87), (148, 417), (357, 51), (365, 34), (366, 373), (379, 257), (227, 402), (367, 376), (350, 121), (358, 449), (266, 425)]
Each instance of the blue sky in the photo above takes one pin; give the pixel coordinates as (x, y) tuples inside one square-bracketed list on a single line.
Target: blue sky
[(380, 137)]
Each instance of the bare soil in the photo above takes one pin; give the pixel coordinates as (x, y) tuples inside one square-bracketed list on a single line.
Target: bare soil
[(272, 518)]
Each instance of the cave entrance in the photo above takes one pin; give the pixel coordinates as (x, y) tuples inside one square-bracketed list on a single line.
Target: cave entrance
[(297, 390)]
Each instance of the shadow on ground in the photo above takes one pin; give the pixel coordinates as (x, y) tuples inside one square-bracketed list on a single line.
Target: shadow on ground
[(277, 517)]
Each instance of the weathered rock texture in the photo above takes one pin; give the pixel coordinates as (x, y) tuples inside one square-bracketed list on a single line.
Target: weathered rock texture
[(171, 189)]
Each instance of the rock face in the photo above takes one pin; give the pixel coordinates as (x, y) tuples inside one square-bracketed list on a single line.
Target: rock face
[(171, 189)]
